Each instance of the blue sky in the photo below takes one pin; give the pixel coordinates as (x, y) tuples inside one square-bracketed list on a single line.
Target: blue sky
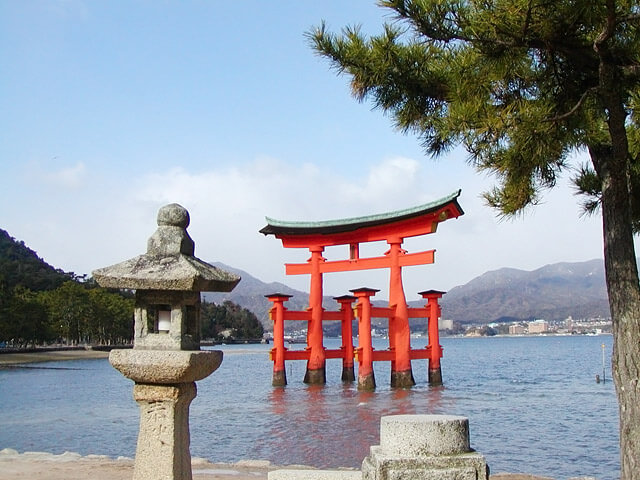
[(113, 109)]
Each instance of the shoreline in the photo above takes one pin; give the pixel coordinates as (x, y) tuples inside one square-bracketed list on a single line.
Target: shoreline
[(20, 358), (73, 466)]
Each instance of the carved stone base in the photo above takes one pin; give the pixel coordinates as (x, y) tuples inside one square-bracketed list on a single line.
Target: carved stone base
[(162, 452), (424, 447)]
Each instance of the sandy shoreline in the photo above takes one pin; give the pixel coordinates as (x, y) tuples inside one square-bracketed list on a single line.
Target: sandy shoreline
[(9, 359), (72, 466)]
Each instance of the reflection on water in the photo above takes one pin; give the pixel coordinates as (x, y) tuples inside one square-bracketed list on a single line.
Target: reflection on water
[(533, 406)]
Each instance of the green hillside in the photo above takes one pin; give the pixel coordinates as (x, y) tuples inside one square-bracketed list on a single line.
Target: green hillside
[(42, 305), (21, 266)]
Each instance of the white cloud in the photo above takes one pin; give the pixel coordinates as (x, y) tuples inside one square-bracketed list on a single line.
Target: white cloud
[(392, 173), (228, 205), (71, 176)]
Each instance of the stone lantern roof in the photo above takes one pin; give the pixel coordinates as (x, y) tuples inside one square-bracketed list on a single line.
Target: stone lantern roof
[(169, 263)]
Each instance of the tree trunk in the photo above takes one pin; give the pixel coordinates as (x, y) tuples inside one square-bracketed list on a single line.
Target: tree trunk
[(624, 293), (624, 301), (613, 166)]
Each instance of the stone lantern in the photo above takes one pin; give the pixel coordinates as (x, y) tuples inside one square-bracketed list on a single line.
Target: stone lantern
[(166, 360)]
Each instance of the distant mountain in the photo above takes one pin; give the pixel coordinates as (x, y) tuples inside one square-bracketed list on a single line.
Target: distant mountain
[(552, 292), (250, 294)]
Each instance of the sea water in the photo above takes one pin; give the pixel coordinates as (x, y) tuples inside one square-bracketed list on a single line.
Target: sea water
[(533, 405)]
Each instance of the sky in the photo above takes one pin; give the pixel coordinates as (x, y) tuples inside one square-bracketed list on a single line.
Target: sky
[(111, 110)]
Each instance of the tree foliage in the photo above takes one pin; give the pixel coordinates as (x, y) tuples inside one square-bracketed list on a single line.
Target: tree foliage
[(40, 304), (518, 83), (229, 320), (73, 313), (523, 84)]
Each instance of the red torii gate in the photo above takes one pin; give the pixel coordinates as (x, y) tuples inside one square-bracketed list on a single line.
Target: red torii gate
[(392, 227)]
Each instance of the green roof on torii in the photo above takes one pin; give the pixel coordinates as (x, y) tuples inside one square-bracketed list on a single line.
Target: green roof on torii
[(284, 227)]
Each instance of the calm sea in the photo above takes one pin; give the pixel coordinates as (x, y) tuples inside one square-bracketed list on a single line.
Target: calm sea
[(532, 402)]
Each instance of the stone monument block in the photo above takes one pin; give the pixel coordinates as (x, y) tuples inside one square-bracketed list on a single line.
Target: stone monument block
[(424, 447)]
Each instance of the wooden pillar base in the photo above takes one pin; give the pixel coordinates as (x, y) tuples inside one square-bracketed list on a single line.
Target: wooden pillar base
[(402, 379), (348, 374), (435, 376), (367, 382), (315, 377), (279, 379)]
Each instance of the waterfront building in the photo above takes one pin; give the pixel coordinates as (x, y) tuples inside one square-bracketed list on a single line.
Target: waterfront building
[(517, 329), (445, 324), (538, 326)]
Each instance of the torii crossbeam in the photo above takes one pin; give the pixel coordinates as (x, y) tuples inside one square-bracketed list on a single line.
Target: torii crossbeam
[(392, 227)]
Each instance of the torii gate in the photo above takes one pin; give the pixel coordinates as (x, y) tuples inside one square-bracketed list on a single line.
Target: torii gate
[(392, 227)]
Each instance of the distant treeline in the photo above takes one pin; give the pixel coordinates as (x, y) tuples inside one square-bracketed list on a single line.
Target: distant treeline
[(41, 305)]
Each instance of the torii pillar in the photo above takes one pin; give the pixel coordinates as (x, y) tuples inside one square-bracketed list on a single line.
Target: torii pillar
[(366, 377), (348, 374), (316, 371), (278, 351), (435, 372)]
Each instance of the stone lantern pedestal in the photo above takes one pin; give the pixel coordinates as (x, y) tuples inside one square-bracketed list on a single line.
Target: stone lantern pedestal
[(166, 360), (163, 440), (165, 386)]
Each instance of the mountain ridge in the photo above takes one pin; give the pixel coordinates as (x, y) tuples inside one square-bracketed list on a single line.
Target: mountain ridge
[(552, 292)]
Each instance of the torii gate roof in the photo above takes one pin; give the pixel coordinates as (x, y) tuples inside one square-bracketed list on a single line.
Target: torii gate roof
[(370, 227)]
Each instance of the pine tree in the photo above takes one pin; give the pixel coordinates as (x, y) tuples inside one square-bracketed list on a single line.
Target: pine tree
[(522, 84)]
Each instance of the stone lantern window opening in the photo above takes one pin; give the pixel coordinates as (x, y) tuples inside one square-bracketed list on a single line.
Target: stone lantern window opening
[(162, 319)]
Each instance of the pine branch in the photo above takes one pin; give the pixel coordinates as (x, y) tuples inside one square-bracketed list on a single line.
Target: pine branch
[(575, 108)]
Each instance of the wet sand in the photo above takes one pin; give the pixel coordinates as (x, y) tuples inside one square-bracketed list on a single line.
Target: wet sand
[(71, 466), (10, 359)]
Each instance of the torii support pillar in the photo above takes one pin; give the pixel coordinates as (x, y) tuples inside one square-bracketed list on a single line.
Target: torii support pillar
[(366, 377), (435, 371), (399, 332), (348, 374), (277, 352), (316, 374)]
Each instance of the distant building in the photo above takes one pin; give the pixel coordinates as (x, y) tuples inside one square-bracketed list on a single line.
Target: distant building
[(538, 326), (445, 324), (568, 323), (517, 329)]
